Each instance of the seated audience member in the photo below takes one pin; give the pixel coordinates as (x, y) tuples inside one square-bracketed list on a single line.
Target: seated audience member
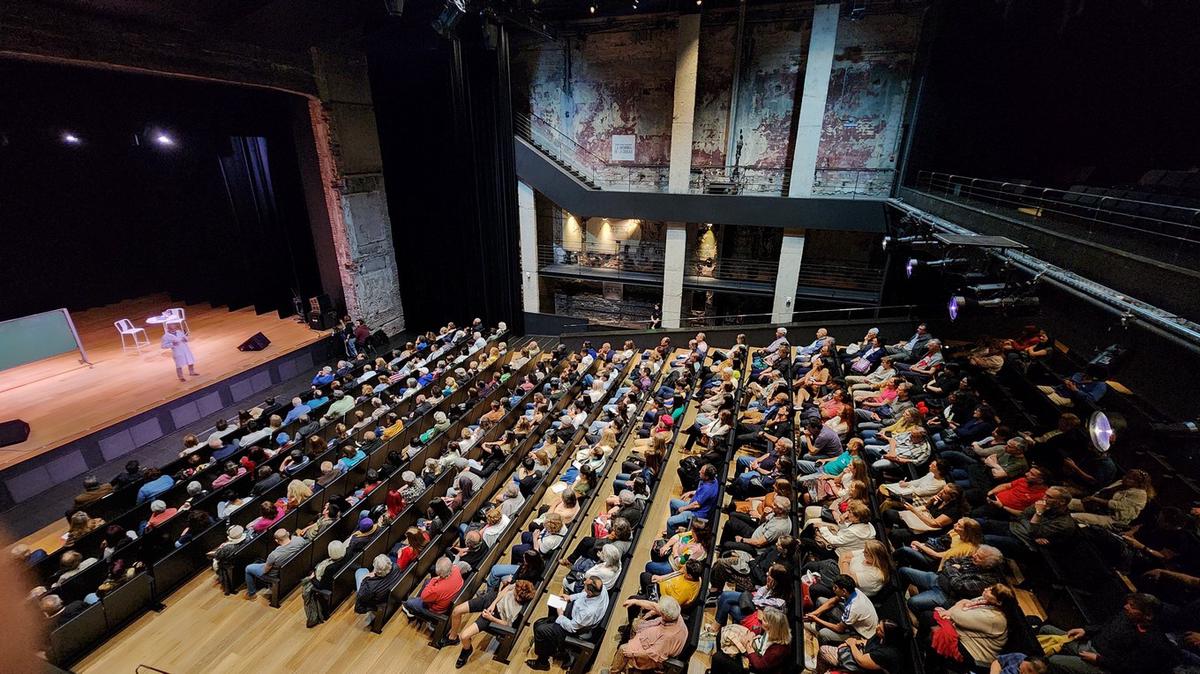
[(744, 533), (1086, 387), (855, 613), (93, 490), (437, 592), (132, 475), (496, 607), (765, 652), (1010, 499), (908, 350), (317, 586), (657, 636), (960, 577), (287, 547), (26, 556), (56, 612), (1117, 505), (683, 585), (775, 592), (1132, 641), (159, 514), (80, 525), (70, 565), (981, 624), (698, 503), (1046, 522), (868, 567), (584, 610), (373, 585), (877, 654), (154, 483), (408, 550)]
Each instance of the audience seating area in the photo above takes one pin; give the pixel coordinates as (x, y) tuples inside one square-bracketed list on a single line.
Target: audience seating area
[(887, 503)]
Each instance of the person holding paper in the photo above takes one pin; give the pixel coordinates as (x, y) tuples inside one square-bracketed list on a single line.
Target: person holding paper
[(579, 612), (176, 340)]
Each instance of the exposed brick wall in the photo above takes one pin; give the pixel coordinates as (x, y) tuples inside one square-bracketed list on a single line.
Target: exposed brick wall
[(872, 70)]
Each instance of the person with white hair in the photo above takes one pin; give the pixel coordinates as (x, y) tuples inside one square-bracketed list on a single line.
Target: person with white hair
[(298, 409), (607, 571), (159, 514), (479, 342), (374, 585), (319, 585), (780, 340), (511, 499), (656, 637), (324, 377)]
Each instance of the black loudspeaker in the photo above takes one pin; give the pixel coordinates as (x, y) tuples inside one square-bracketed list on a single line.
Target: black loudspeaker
[(320, 303), (379, 339), (322, 321), (256, 343), (13, 432)]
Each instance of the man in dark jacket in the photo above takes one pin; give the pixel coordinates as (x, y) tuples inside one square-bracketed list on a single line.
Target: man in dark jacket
[(374, 585), (1130, 642)]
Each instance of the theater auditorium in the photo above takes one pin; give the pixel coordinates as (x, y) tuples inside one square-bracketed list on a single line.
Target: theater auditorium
[(600, 336)]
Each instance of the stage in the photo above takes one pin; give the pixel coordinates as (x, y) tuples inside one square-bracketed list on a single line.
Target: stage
[(65, 401)]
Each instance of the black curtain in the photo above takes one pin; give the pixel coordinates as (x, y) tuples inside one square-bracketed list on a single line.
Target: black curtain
[(445, 127), (217, 216)]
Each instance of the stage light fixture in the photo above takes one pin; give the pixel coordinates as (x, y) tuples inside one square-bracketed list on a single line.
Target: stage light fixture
[(452, 13), (1104, 428), (592, 8), (956, 303), (164, 139), (71, 139), (910, 265)]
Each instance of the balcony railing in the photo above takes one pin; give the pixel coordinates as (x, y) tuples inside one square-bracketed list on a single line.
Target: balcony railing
[(751, 180), (1173, 228)]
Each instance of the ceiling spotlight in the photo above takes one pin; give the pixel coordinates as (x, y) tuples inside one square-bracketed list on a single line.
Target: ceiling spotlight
[(163, 139), (70, 138), (910, 265), (592, 8)]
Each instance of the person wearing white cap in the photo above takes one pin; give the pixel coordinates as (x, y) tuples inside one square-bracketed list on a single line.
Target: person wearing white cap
[(234, 537)]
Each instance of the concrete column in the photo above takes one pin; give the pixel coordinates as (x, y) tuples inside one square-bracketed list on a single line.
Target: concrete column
[(787, 277), (527, 216), (812, 102), (673, 261), (355, 198), (687, 56)]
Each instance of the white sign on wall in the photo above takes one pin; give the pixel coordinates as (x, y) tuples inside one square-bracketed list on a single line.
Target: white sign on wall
[(623, 148)]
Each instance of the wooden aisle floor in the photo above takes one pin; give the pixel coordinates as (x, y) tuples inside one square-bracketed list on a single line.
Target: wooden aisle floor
[(63, 400)]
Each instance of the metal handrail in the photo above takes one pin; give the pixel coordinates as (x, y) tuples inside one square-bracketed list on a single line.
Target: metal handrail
[(1087, 207), (907, 311)]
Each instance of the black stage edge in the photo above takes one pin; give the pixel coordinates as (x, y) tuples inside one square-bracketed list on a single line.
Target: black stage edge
[(30, 478)]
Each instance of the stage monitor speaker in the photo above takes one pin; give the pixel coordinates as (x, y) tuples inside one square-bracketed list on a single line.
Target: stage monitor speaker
[(13, 432), (256, 343), (322, 321), (379, 339)]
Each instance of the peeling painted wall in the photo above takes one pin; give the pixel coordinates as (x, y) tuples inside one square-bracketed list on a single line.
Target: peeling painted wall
[(605, 84), (621, 82), (773, 58), (872, 70)]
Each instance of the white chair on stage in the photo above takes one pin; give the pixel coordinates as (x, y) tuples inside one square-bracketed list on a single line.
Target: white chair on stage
[(127, 328), (177, 317)]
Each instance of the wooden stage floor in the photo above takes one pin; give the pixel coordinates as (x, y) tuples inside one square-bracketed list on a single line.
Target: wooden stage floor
[(63, 400)]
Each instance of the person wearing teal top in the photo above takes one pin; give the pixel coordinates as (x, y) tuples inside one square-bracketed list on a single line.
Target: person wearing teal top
[(833, 466)]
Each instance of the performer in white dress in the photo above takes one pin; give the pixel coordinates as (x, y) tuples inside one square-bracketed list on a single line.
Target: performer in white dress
[(176, 340)]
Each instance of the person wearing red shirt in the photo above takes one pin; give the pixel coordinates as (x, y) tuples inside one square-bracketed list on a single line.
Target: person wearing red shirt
[(415, 541), (1014, 497), (438, 592), (361, 334)]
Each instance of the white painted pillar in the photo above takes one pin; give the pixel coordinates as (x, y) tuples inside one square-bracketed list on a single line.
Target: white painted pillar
[(673, 261), (687, 56), (787, 277), (527, 216), (812, 102)]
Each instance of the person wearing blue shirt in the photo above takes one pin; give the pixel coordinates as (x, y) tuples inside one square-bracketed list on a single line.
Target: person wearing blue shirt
[(695, 504), (324, 377), (1086, 387), (156, 483), (318, 399), (351, 456), (298, 409), (584, 610)]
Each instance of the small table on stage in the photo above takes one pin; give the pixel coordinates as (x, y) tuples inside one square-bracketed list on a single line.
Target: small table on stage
[(161, 319)]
